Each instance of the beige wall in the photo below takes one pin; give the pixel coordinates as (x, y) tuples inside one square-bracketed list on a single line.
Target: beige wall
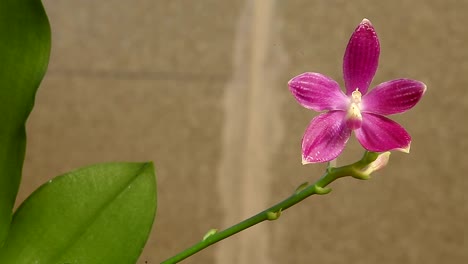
[(199, 87)]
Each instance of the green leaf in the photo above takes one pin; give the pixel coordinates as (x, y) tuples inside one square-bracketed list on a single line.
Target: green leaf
[(96, 215), (24, 55)]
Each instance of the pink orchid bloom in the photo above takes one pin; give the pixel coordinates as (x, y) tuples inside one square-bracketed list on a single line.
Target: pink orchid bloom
[(357, 110)]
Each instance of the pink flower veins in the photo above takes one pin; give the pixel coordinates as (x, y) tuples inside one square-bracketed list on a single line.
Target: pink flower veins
[(358, 111)]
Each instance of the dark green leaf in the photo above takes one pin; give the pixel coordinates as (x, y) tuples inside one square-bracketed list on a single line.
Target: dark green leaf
[(96, 215), (24, 55)]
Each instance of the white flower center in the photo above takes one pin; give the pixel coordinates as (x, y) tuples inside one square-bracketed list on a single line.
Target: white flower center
[(353, 116)]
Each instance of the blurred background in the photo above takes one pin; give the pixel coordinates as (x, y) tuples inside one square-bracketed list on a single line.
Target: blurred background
[(200, 88)]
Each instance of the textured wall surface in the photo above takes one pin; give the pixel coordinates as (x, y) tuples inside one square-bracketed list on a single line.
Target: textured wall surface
[(199, 87)]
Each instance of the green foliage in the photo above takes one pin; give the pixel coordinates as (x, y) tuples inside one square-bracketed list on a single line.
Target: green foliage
[(24, 55), (99, 214), (96, 215)]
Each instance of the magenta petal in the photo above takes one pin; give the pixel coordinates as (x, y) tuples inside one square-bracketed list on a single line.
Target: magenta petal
[(317, 92), (361, 58), (379, 134), (325, 137), (393, 97)]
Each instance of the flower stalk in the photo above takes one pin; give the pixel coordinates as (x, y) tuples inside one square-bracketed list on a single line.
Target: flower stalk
[(273, 213)]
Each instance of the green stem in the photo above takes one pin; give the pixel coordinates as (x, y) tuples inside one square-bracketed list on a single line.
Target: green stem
[(274, 212)]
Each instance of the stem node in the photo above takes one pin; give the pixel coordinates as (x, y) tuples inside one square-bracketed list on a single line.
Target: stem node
[(271, 216), (301, 187), (210, 233), (321, 190)]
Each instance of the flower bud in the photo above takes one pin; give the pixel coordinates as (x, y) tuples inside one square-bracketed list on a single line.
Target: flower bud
[(377, 164)]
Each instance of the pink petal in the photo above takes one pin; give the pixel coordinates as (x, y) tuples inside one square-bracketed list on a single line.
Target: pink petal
[(380, 134), (393, 97), (325, 137), (361, 58), (317, 92)]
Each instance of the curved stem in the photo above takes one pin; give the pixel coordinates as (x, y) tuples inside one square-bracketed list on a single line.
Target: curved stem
[(274, 212)]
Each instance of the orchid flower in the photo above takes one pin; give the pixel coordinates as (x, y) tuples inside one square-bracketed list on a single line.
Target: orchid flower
[(358, 111)]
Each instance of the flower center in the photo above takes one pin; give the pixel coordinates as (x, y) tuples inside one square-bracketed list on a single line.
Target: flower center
[(353, 116)]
